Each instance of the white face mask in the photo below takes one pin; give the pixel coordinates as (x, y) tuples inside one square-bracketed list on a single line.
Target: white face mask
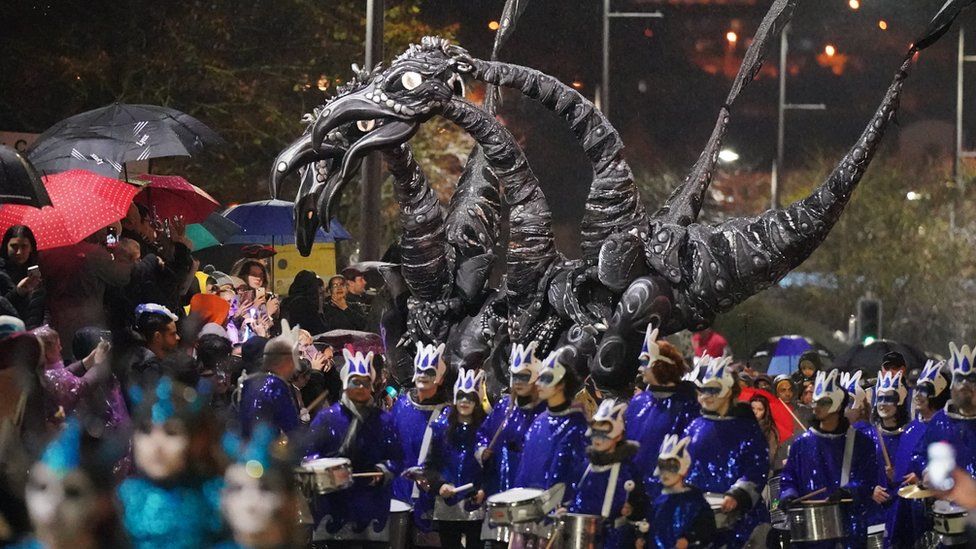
[(249, 505), (60, 508), (162, 452)]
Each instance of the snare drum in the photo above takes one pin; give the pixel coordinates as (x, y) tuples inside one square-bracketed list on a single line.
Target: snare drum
[(818, 521), (948, 518), (515, 506), (325, 475), (581, 531)]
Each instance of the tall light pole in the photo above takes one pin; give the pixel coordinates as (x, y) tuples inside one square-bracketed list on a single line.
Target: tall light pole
[(607, 15), (372, 176), (778, 165)]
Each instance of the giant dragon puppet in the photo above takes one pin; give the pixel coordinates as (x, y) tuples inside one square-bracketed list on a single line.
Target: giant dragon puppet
[(636, 268)]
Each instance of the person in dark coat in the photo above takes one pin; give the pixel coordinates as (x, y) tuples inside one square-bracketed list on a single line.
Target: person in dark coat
[(338, 313), (303, 306), (24, 291)]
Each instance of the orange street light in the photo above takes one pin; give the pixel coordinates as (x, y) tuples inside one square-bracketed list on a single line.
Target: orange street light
[(830, 50), (732, 37), (854, 4), (493, 25), (883, 25)]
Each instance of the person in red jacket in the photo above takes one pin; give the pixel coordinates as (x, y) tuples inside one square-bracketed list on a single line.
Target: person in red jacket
[(710, 342)]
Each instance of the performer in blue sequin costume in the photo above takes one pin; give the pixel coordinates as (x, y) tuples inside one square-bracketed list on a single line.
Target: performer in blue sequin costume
[(680, 513), (667, 405), (555, 444), (501, 438), (733, 456), (174, 501), (603, 489), (818, 459), (413, 414), (907, 521), (354, 428), (451, 464), (268, 396), (956, 424), (891, 416)]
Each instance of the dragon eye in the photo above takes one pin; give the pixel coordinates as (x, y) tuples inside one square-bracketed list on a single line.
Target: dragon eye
[(411, 80), (366, 125)]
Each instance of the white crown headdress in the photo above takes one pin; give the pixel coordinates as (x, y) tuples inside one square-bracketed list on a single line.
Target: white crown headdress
[(718, 373), (288, 338), (612, 412), (651, 351), (932, 373), (428, 358), (699, 365), (356, 365), (851, 382), (890, 382), (468, 381), (524, 360), (675, 448), (551, 365), (961, 360), (827, 386)]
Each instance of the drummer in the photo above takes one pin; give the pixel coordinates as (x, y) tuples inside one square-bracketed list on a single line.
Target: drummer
[(907, 521), (354, 428), (891, 416), (601, 491), (451, 465), (733, 453), (819, 459), (555, 444), (681, 516), (667, 404), (502, 435), (413, 413), (956, 424)]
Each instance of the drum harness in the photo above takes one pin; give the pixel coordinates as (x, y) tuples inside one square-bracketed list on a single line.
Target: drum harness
[(425, 444), (611, 488)]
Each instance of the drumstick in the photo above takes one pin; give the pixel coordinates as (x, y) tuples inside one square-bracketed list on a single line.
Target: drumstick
[(884, 452), (810, 495), (318, 401), (796, 419), (508, 414), (374, 474)]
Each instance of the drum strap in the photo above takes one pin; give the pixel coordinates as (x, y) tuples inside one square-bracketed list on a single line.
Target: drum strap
[(845, 470), (611, 490), (425, 444)]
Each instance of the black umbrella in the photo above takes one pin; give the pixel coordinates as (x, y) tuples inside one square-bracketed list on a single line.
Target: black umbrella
[(868, 357), (103, 140), (19, 182)]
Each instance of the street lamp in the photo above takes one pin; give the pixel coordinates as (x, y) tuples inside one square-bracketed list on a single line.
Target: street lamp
[(732, 37), (830, 50), (854, 4), (728, 156)]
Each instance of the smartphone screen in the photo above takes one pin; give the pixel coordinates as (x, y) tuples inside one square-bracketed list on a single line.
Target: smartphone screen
[(942, 461), (34, 271)]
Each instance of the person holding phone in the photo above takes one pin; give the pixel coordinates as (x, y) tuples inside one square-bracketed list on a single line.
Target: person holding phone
[(20, 276)]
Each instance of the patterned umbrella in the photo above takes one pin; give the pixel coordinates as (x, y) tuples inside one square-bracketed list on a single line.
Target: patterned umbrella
[(103, 140), (83, 202), (212, 231)]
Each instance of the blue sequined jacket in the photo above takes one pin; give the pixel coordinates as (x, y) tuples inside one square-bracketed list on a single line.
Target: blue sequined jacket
[(514, 421), (555, 451), (594, 489), (266, 398), (411, 418)]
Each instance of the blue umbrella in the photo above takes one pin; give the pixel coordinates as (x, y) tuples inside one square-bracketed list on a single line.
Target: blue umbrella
[(783, 353), (273, 222)]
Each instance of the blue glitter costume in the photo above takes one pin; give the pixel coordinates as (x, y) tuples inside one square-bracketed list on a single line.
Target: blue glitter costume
[(907, 521), (949, 426), (679, 515), (266, 398), (184, 514), (372, 445), (594, 488), (452, 460), (816, 460), (650, 416), (500, 468), (410, 419), (731, 457), (555, 446)]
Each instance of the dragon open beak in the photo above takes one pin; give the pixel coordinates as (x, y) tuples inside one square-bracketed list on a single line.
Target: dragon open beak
[(300, 153)]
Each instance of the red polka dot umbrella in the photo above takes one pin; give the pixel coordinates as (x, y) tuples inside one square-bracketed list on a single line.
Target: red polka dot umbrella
[(83, 202)]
